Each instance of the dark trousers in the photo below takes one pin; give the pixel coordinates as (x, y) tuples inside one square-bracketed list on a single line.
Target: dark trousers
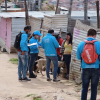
[(59, 59), (87, 75), (32, 61), (67, 59)]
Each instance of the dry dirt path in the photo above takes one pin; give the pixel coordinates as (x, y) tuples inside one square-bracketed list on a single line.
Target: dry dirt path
[(12, 89)]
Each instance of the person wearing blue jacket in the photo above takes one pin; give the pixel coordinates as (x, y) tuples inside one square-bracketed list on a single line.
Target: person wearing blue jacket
[(89, 71), (23, 55), (34, 50), (49, 44)]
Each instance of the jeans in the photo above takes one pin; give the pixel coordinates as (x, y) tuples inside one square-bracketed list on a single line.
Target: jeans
[(59, 59), (33, 57), (87, 75), (54, 59), (22, 64), (67, 59)]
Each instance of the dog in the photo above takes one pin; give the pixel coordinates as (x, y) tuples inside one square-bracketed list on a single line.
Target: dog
[(42, 64), (35, 64)]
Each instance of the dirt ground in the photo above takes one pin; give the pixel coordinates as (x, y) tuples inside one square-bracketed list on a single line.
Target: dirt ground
[(12, 89)]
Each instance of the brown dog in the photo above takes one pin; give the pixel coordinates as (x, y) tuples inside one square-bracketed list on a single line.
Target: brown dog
[(42, 63)]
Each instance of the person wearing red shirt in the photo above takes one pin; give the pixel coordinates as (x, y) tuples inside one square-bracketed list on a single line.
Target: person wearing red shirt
[(60, 41)]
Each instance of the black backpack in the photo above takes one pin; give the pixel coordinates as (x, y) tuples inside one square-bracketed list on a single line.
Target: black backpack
[(17, 41)]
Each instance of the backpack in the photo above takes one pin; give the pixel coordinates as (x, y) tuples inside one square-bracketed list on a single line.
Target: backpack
[(17, 41), (89, 54)]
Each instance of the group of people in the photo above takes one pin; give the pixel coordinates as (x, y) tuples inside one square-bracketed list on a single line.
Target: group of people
[(54, 48)]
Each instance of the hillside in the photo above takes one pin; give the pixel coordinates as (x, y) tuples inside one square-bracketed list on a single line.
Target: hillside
[(77, 4)]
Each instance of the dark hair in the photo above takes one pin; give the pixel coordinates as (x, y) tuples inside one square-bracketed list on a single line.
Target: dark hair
[(26, 28), (70, 41), (91, 32), (29, 26), (51, 31)]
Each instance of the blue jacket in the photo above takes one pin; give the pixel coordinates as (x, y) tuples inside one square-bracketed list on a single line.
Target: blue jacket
[(24, 41), (49, 44), (34, 48), (80, 50)]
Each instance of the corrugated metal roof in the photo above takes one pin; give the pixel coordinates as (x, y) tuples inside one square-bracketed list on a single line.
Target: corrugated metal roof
[(22, 14), (40, 14), (11, 9)]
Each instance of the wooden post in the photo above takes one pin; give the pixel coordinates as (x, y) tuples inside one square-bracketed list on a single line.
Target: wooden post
[(97, 6), (85, 11), (57, 7), (26, 13), (6, 5)]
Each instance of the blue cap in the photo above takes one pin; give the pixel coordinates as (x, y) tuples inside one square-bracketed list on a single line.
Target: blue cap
[(37, 33)]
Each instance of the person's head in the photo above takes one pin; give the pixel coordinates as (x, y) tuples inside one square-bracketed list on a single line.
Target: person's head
[(69, 38), (92, 33), (56, 34), (29, 28), (51, 31), (37, 34), (26, 29)]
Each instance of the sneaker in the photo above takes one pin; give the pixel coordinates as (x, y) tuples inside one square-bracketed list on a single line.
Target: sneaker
[(20, 79), (67, 77), (56, 80), (49, 79), (26, 79)]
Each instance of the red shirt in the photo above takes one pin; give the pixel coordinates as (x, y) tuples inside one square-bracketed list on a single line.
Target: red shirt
[(19, 50), (60, 43)]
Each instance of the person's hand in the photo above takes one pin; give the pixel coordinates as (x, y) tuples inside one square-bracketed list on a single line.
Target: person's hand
[(23, 53), (60, 55)]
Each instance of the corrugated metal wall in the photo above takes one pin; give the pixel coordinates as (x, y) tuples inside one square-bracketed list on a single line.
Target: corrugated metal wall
[(79, 34), (71, 25), (18, 25), (5, 33), (35, 24), (56, 22), (8, 35)]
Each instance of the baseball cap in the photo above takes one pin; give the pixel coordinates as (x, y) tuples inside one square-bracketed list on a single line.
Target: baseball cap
[(56, 33), (37, 33)]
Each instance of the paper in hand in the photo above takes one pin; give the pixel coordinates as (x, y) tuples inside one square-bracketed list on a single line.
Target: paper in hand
[(59, 46), (32, 44)]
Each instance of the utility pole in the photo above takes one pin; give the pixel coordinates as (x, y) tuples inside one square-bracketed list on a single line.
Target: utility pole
[(97, 6), (85, 11), (69, 14), (57, 7), (70, 9), (6, 5), (28, 4), (26, 13)]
